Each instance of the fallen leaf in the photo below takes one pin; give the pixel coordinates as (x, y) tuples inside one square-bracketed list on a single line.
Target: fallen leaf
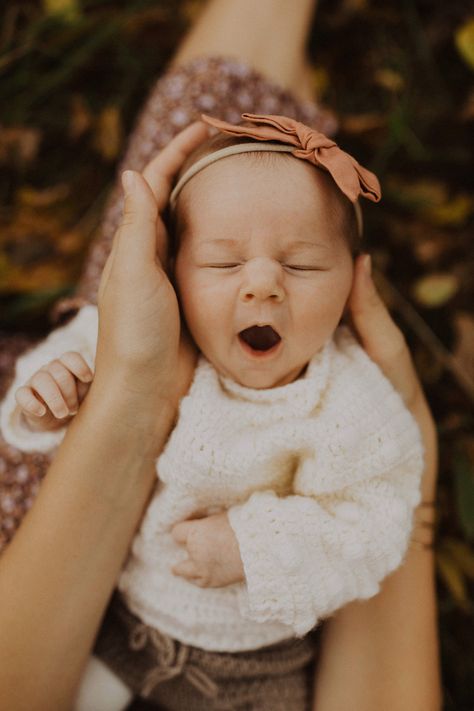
[(31, 197), (361, 123), (464, 40), (389, 79), (462, 553), (452, 213), (108, 133), (453, 578), (81, 118), (435, 289), (464, 348), (67, 9), (19, 144), (319, 79)]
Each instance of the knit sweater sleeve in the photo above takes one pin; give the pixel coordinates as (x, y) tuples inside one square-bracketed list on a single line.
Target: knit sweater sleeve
[(79, 335), (345, 526)]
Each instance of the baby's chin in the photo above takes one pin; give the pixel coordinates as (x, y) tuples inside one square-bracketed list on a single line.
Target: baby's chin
[(261, 379)]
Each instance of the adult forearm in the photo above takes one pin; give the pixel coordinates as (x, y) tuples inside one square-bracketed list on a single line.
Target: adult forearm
[(59, 571), (383, 653), (386, 648)]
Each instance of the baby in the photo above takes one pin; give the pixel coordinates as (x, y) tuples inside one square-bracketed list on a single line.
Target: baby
[(288, 485)]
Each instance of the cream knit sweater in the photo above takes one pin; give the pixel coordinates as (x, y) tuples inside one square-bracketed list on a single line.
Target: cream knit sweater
[(319, 477)]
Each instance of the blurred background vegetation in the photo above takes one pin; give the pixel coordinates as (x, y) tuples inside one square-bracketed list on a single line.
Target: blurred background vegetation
[(399, 77)]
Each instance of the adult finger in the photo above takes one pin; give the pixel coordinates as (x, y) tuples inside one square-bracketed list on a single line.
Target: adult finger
[(160, 172), (378, 333), (135, 240)]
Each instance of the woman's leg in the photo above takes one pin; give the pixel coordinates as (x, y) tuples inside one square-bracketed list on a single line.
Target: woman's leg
[(270, 35)]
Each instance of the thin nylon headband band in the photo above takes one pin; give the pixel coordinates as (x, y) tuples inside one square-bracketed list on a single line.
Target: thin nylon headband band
[(234, 150)]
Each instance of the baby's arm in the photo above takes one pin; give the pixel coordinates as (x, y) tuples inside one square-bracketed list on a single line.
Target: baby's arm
[(53, 394)]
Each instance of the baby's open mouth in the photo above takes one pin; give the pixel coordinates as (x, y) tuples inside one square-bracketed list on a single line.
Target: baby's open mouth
[(260, 338)]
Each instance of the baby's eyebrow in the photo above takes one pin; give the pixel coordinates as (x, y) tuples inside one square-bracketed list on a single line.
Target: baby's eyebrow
[(290, 247), (221, 240), (305, 243)]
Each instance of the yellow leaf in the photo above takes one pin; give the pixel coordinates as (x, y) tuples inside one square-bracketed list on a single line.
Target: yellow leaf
[(435, 289), (108, 134), (81, 118), (464, 40), (319, 79), (462, 554), (452, 213), (30, 197), (67, 9), (453, 579)]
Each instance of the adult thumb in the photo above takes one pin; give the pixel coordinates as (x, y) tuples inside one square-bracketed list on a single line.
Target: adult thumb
[(135, 241)]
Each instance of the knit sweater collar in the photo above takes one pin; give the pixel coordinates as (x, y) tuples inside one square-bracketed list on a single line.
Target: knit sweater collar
[(300, 397)]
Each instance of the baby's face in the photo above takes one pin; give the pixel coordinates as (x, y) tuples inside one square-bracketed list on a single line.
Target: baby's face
[(259, 249)]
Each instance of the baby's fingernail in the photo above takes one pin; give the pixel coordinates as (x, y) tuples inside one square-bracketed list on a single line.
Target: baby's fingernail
[(128, 180), (39, 410)]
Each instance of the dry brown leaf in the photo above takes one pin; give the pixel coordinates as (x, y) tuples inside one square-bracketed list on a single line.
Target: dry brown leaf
[(435, 289), (389, 79), (361, 123), (19, 144), (464, 348)]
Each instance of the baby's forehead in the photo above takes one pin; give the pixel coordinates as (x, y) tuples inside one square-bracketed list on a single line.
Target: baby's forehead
[(277, 191)]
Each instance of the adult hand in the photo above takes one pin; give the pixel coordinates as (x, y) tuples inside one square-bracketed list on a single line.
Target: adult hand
[(385, 344), (138, 311)]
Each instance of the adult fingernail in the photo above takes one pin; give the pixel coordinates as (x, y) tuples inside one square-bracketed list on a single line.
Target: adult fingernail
[(128, 180)]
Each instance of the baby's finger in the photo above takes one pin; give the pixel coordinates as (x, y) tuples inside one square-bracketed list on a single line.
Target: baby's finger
[(76, 364), (28, 402), (186, 569), (47, 388), (180, 532), (66, 383)]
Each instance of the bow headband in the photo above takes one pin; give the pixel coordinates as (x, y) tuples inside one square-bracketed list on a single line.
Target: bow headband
[(352, 179)]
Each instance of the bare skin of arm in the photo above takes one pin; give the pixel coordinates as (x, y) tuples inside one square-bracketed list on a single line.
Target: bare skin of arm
[(58, 573), (383, 653)]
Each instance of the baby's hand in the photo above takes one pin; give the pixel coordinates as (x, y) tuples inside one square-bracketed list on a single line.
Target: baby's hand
[(214, 557), (54, 392)]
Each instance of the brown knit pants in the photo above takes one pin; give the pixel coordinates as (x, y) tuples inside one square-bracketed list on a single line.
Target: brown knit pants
[(178, 677)]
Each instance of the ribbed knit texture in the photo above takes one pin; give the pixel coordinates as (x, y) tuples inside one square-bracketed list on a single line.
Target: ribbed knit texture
[(320, 478)]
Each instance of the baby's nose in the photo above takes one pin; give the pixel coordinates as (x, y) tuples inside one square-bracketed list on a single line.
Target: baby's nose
[(261, 279)]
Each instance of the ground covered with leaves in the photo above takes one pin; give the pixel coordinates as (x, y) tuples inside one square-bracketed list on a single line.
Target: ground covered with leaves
[(398, 75)]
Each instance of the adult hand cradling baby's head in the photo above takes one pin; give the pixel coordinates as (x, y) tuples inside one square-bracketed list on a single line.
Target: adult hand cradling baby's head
[(138, 310)]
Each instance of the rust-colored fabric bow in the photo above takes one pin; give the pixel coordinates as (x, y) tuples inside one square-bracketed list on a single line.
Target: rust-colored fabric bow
[(351, 178)]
